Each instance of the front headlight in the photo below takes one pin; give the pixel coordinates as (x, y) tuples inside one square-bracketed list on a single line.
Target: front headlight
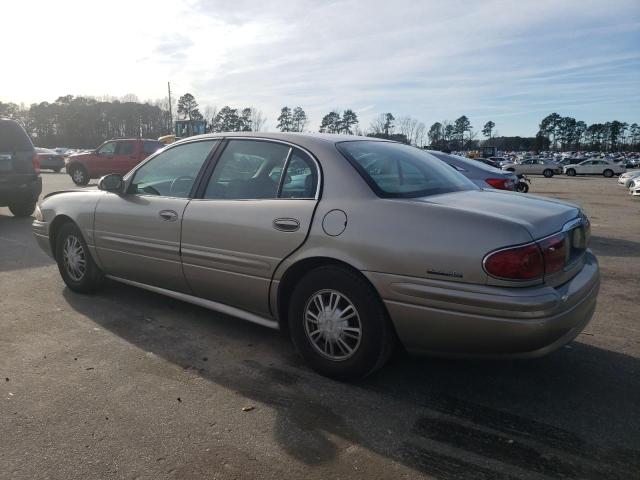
[(38, 214)]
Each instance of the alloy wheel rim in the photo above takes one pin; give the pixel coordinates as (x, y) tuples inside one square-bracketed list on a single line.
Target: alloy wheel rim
[(74, 259), (78, 176), (332, 325)]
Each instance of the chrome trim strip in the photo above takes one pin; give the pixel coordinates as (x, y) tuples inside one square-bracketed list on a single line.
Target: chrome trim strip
[(201, 302)]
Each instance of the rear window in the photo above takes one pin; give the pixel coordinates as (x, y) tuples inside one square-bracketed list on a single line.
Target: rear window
[(394, 170), (13, 138), (151, 147)]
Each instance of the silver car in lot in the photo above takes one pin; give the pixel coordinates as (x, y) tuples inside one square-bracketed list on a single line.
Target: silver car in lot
[(594, 167), (350, 244), (534, 166)]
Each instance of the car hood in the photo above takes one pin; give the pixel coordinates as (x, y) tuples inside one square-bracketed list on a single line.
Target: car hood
[(540, 216)]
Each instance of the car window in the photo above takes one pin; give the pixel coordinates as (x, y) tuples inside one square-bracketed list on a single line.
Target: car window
[(13, 137), (172, 173), (396, 170), (301, 179), (126, 148), (248, 169), (151, 147), (108, 148)]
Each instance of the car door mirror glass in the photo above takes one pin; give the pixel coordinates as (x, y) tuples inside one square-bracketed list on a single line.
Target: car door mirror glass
[(112, 183)]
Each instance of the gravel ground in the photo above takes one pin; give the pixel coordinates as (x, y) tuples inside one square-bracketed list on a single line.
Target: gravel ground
[(130, 384)]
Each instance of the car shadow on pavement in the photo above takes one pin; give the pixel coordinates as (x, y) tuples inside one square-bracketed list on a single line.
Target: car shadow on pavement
[(614, 247), (572, 414), (15, 253)]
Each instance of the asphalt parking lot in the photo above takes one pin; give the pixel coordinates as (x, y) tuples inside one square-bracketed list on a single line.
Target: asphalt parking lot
[(130, 384)]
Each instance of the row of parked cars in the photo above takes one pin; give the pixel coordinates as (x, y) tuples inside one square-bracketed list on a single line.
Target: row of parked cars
[(549, 168)]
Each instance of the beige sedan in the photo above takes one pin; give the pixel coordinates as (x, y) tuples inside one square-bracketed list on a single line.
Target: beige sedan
[(351, 245)]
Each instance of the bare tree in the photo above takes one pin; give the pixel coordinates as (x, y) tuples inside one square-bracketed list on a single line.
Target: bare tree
[(257, 120), (408, 126)]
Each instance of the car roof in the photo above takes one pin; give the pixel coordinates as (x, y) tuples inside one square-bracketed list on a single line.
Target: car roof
[(306, 140)]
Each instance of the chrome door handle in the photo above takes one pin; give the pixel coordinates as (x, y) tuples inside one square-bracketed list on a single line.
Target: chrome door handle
[(168, 215), (286, 224)]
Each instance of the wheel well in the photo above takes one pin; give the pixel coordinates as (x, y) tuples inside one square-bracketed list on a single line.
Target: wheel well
[(55, 227), (295, 272)]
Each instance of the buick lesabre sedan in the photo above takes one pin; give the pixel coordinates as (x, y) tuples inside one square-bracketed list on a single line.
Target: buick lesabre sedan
[(352, 245)]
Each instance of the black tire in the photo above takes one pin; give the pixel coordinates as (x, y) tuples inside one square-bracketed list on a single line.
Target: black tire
[(511, 169), (571, 172), (92, 277), (79, 175), (608, 173), (547, 173), (57, 170), (22, 209), (522, 187), (377, 336)]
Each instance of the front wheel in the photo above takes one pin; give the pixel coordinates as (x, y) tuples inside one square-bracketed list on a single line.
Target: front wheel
[(571, 172), (339, 325), (608, 173), (522, 187), (77, 268), (548, 173)]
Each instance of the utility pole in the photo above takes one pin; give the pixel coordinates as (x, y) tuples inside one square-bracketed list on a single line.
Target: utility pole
[(170, 112)]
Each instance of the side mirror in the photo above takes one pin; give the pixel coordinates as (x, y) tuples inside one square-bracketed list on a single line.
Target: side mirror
[(112, 183)]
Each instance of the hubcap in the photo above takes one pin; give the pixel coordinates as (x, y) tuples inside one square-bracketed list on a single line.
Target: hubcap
[(332, 324), (74, 258), (78, 176)]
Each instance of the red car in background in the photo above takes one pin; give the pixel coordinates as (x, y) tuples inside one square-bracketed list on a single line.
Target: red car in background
[(113, 156)]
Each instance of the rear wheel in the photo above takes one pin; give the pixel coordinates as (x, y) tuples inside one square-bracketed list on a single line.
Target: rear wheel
[(571, 172), (339, 325), (522, 187), (79, 175), (548, 173), (75, 264), (22, 209), (608, 173)]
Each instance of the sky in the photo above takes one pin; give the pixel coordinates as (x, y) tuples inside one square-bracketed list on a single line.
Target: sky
[(512, 62)]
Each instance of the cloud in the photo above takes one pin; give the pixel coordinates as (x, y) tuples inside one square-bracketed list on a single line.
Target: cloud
[(431, 59)]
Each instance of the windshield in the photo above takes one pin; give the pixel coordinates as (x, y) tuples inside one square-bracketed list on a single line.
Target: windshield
[(401, 171)]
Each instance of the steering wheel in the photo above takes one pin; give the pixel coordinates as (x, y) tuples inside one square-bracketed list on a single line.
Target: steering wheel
[(176, 180)]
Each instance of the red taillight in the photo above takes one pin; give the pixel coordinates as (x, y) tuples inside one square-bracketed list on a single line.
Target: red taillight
[(500, 183), (554, 252), (517, 263), (36, 163)]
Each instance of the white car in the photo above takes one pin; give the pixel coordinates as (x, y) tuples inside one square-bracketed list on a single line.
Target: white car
[(536, 166), (594, 167), (634, 189), (626, 179)]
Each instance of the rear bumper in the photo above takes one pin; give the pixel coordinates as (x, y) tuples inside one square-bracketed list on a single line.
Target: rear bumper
[(18, 190), (461, 320)]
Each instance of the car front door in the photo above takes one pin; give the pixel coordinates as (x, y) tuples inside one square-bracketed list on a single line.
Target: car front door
[(137, 234), (255, 209), (100, 163)]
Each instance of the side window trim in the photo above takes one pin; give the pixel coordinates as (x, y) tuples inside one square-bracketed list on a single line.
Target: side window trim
[(129, 180), (283, 173), (203, 181)]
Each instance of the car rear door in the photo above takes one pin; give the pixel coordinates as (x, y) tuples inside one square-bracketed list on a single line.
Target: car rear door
[(127, 156), (137, 234), (249, 216)]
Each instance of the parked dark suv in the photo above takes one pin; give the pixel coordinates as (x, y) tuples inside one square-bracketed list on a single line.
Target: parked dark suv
[(20, 182)]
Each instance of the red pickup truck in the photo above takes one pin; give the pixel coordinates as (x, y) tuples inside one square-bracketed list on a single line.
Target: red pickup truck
[(113, 156)]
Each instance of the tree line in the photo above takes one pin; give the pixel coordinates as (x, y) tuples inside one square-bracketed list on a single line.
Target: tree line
[(84, 122)]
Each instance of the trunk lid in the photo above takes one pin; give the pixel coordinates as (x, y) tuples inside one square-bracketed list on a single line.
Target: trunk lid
[(540, 216)]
